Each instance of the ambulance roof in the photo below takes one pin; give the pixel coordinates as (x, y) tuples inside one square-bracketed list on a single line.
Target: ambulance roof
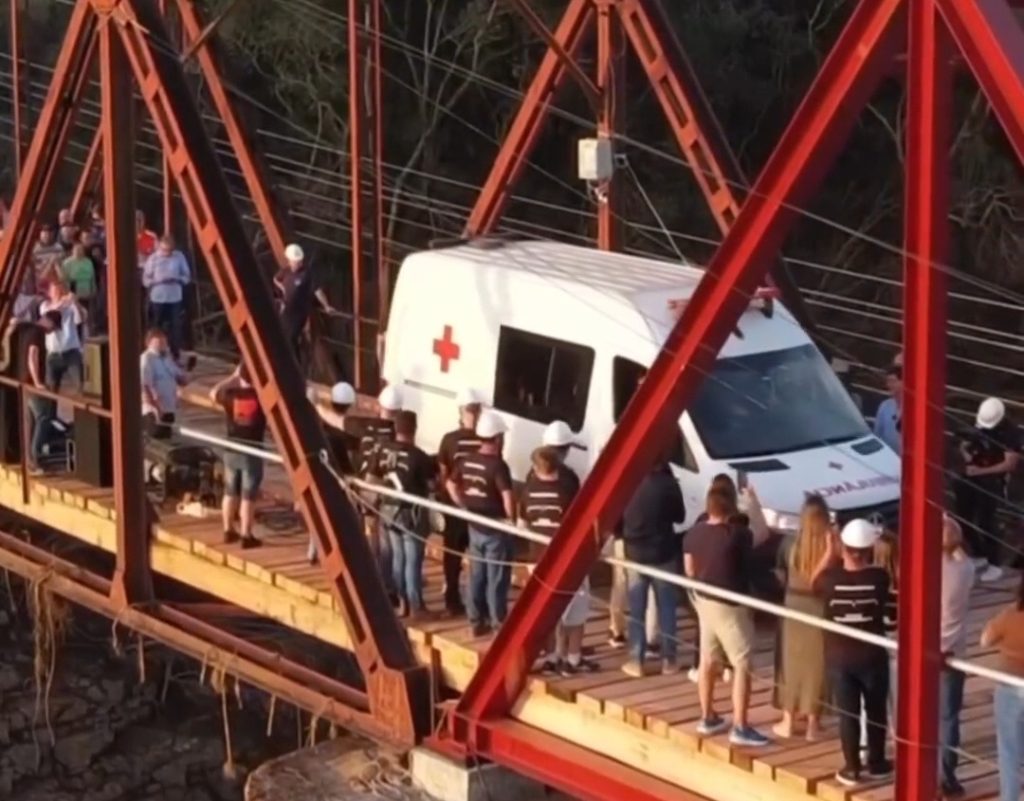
[(628, 290)]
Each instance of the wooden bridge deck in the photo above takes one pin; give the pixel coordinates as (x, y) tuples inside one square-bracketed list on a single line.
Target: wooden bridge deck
[(647, 723)]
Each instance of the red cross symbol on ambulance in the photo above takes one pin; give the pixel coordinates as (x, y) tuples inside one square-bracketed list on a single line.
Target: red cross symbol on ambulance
[(446, 349)]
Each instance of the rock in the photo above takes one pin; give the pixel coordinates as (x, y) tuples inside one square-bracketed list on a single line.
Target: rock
[(6, 783), (113, 689), (77, 752), (75, 711), (171, 774), (22, 758), (17, 721), (5, 731), (9, 678)]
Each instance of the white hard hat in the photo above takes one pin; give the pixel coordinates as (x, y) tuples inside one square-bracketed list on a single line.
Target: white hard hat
[(490, 425), (557, 435), (343, 394), (990, 413), (860, 533), (390, 399), (294, 253), (468, 397)]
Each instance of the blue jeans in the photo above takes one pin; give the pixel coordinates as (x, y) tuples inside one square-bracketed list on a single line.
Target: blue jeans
[(41, 411), (488, 580), (951, 701), (167, 317), (60, 364), (666, 598), (1009, 708), (407, 567)]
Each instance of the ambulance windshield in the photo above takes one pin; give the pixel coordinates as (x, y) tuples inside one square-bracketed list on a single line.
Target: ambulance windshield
[(775, 402)]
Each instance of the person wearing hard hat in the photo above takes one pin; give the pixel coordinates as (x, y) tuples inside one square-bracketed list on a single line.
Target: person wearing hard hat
[(455, 445), (299, 288), (482, 484), (855, 592), (990, 452), (343, 444)]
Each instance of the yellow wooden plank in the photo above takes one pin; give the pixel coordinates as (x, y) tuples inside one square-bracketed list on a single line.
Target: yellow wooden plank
[(296, 588)]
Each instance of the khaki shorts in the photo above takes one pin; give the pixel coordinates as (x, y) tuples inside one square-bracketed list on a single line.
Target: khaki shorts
[(726, 632)]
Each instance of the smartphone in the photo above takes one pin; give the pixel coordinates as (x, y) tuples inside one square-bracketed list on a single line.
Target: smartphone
[(742, 480)]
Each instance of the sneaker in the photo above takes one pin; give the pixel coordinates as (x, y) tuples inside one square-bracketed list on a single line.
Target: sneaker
[(991, 573), (549, 667), (617, 640), (231, 537), (587, 666), (249, 542), (566, 669), (848, 777), (481, 629), (709, 727), (693, 675), (654, 648), (952, 789), (881, 770), (633, 669), (748, 736), (669, 668)]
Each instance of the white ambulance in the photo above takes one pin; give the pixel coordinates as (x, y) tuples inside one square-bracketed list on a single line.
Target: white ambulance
[(550, 331)]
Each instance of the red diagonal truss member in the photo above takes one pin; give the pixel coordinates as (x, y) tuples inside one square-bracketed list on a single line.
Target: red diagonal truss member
[(272, 214), (675, 84), (46, 151), (819, 129), (398, 689)]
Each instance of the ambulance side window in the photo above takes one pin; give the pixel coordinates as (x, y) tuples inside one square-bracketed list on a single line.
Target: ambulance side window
[(626, 377), (542, 379)]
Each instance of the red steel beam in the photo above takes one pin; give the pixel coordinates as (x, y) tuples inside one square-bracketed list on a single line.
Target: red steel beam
[(45, 153), (398, 687), (558, 763), (87, 180), (15, 37), (132, 580), (819, 129), (526, 127), (268, 670), (926, 236), (990, 36), (355, 156), (272, 214), (611, 86)]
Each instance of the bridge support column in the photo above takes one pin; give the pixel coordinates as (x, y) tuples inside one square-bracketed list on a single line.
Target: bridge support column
[(448, 779)]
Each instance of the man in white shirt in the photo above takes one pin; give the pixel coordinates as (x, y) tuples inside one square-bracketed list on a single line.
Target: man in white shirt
[(63, 343), (161, 377), (957, 581), (165, 276), (889, 417)]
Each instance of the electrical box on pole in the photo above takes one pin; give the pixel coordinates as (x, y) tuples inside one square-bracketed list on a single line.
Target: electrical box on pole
[(595, 159)]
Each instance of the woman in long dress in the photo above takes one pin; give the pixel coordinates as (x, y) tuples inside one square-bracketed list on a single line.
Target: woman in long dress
[(801, 688)]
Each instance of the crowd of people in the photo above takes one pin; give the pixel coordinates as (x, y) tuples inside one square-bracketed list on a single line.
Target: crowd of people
[(847, 575)]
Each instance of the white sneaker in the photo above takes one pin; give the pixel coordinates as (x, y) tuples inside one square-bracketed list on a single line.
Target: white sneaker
[(991, 573), (693, 675), (980, 563)]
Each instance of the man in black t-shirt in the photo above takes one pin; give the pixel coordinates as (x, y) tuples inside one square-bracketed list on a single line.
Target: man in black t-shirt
[(341, 440), (243, 472), (407, 468), (482, 484), (455, 445), (299, 288), (990, 452), (855, 594)]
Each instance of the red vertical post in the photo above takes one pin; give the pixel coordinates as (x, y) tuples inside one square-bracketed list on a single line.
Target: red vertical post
[(167, 182), (929, 106), (16, 82), (132, 582), (610, 66), (355, 156), (379, 222)]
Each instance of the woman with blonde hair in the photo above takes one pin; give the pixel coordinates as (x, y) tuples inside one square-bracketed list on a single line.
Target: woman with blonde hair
[(801, 688)]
